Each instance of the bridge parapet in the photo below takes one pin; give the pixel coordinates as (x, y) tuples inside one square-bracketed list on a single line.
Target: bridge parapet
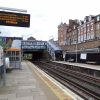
[(33, 45)]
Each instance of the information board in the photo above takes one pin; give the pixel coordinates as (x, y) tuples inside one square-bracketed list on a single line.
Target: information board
[(83, 56), (14, 19)]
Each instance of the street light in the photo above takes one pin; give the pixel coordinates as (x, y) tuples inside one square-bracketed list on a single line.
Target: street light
[(76, 41), (76, 51)]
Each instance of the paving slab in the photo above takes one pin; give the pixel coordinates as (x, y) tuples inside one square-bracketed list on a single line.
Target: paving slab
[(21, 84)]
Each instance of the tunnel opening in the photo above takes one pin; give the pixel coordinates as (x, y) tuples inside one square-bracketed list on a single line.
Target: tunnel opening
[(37, 55), (33, 55)]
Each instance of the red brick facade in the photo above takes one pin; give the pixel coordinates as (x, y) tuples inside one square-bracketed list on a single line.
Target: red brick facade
[(86, 34), (62, 28)]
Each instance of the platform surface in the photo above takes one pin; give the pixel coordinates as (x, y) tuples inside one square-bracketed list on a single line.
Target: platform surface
[(94, 67), (23, 85)]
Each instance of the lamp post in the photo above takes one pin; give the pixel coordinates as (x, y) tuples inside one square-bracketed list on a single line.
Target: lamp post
[(76, 42), (76, 51)]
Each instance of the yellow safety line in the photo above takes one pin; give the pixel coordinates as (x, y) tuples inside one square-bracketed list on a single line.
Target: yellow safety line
[(60, 97)]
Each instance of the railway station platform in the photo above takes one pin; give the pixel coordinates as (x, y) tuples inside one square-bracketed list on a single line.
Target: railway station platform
[(28, 84), (90, 69), (94, 67)]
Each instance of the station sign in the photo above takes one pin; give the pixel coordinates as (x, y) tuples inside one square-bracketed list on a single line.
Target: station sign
[(36, 47), (26, 42), (14, 19)]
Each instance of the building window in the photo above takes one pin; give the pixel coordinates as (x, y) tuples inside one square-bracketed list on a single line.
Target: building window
[(73, 33), (92, 26), (92, 35), (81, 38), (79, 31), (74, 41), (97, 26), (88, 36), (98, 18), (88, 28), (85, 37), (84, 29)]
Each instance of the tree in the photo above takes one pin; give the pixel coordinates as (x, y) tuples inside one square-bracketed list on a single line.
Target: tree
[(31, 38), (8, 44)]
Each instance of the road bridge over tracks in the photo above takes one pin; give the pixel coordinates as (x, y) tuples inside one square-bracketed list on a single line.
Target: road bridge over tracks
[(36, 50)]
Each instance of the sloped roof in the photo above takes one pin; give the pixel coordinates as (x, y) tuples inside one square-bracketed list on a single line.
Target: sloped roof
[(16, 44), (13, 49)]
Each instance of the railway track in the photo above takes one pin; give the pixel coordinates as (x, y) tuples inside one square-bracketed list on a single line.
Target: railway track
[(86, 86)]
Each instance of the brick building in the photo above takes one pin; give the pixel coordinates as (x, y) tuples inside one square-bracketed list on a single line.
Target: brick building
[(62, 28), (81, 38)]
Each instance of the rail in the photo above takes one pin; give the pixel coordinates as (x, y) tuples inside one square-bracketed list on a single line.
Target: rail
[(84, 85)]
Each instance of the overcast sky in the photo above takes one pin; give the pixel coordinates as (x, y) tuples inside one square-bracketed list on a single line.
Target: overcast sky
[(46, 15)]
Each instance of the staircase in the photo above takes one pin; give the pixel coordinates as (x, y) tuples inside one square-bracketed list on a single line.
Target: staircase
[(52, 48)]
